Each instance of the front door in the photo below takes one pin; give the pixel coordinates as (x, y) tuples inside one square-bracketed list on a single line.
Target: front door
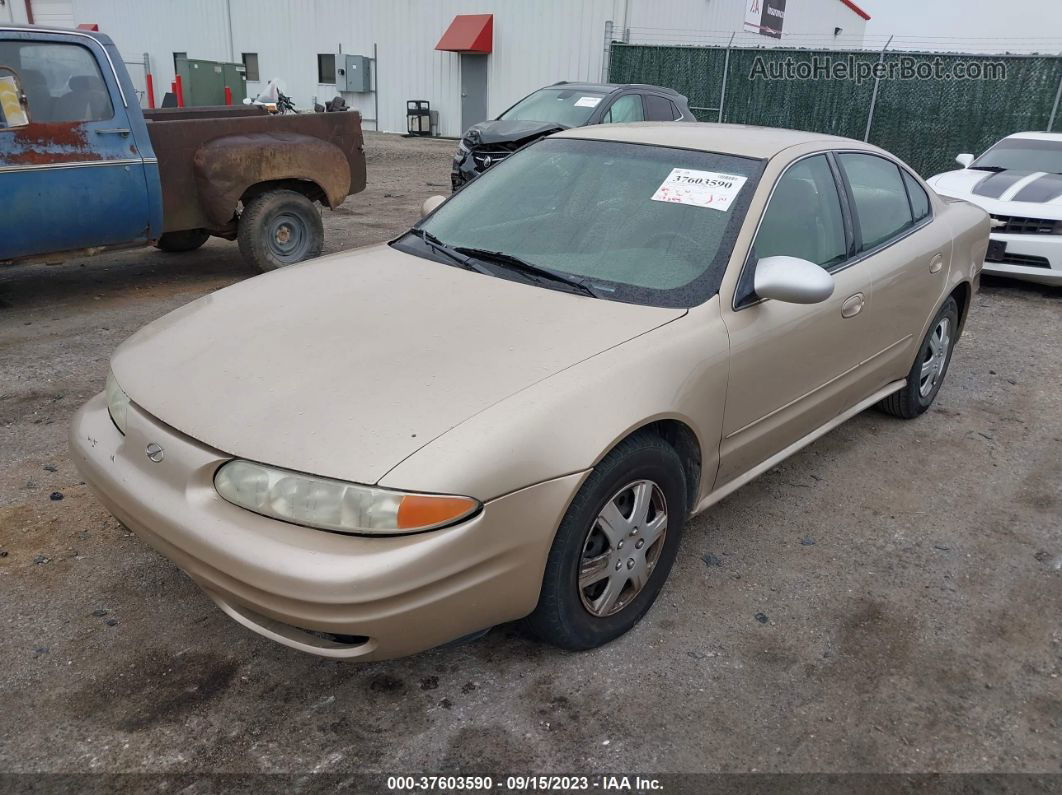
[(793, 367), (473, 90), (72, 177)]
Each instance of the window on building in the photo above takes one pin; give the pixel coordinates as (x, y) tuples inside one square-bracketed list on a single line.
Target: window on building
[(326, 68), (250, 65), (176, 57)]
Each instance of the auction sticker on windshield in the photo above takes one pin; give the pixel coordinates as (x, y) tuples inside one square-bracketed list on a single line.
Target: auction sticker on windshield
[(699, 188), (587, 102)]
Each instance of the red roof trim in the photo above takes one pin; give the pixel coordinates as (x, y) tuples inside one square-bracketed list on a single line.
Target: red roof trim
[(856, 8), (469, 33)]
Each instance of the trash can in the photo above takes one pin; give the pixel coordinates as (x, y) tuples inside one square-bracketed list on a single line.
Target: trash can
[(418, 117)]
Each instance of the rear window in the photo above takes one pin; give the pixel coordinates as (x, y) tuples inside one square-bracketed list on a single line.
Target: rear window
[(880, 198)]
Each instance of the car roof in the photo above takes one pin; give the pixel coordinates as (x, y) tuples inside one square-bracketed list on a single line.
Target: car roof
[(1038, 136), (609, 88), (735, 139), (102, 38)]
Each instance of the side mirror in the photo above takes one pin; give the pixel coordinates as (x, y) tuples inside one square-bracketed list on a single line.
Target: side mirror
[(793, 280), (964, 159), (430, 204)]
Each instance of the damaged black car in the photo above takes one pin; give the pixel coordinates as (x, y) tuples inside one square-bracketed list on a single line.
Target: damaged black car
[(559, 107)]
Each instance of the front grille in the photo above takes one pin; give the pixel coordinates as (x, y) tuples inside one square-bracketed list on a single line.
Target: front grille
[(485, 158), (1026, 260), (1016, 225)]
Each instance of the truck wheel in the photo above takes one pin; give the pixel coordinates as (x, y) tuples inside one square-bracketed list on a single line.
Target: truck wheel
[(185, 240), (279, 228)]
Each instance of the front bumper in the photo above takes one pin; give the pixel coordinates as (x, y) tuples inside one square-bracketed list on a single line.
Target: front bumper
[(334, 595), (1034, 258)]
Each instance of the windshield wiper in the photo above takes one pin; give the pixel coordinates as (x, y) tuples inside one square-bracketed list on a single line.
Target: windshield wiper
[(996, 169), (530, 269), (450, 253)]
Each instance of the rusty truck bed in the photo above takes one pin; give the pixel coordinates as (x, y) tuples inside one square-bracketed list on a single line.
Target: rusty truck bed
[(256, 144)]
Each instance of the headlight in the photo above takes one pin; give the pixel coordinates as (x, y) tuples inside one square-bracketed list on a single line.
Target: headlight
[(336, 505), (117, 403)]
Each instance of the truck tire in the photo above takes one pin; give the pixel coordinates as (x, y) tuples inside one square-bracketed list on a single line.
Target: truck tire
[(279, 228), (185, 240)]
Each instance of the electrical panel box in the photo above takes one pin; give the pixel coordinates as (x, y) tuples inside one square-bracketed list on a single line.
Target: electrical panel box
[(203, 82), (354, 73)]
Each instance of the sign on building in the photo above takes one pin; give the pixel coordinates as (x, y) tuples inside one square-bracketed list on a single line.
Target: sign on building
[(765, 17)]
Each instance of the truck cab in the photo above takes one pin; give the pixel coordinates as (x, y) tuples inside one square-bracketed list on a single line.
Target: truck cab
[(77, 169)]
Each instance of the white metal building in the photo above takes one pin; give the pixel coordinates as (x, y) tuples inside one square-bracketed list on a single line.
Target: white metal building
[(531, 42)]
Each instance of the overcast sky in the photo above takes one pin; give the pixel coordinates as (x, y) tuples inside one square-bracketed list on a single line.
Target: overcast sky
[(1012, 22)]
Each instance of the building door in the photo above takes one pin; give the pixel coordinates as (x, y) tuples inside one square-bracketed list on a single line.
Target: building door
[(473, 89)]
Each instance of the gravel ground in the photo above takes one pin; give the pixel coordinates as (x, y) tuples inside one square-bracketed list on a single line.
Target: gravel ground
[(887, 600)]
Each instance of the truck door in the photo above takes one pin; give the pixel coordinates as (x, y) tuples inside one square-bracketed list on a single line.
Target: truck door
[(71, 174)]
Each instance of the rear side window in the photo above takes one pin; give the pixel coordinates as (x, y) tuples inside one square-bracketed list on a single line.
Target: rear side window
[(919, 199), (804, 217), (626, 108), (62, 82), (880, 198), (659, 109)]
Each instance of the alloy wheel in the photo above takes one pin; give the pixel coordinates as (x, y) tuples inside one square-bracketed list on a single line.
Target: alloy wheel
[(936, 356), (622, 547)]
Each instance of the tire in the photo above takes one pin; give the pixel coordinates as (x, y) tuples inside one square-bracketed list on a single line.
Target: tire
[(934, 354), (279, 228), (576, 618), (185, 240)]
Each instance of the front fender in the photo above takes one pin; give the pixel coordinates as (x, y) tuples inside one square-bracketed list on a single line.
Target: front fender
[(226, 167), (566, 423)]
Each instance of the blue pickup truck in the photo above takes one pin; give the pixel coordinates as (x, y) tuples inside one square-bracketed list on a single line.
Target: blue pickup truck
[(84, 170)]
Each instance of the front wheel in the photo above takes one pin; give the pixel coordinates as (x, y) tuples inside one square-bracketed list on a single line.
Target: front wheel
[(929, 368), (614, 548), (279, 228)]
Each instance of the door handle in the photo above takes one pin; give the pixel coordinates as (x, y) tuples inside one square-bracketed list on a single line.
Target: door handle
[(936, 263), (114, 131), (853, 305)]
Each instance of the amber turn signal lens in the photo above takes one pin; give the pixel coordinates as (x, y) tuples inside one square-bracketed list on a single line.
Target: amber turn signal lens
[(423, 511)]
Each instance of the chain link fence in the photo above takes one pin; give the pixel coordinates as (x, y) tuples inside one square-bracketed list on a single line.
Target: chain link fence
[(917, 107)]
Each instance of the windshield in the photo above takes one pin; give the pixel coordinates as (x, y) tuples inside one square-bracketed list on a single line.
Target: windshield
[(636, 223), (1023, 154), (566, 106)]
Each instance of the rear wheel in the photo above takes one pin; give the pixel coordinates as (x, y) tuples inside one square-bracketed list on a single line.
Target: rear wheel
[(279, 228), (929, 368), (185, 240), (614, 548)]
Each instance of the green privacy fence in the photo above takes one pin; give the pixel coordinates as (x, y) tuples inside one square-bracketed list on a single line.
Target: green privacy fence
[(917, 106)]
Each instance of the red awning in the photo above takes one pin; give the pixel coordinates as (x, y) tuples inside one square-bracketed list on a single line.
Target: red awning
[(469, 33)]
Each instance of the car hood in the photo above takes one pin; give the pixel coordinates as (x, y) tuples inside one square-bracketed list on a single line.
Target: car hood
[(1031, 193), (505, 131), (347, 365)]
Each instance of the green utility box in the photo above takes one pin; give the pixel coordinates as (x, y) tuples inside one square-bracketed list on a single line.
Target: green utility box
[(203, 82)]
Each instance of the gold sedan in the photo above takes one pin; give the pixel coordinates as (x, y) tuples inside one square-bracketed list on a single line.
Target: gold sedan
[(510, 411)]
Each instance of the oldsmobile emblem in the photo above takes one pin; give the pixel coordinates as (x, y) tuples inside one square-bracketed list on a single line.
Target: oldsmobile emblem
[(155, 452)]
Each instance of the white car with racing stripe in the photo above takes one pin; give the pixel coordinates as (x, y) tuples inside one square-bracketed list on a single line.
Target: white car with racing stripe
[(1018, 181)]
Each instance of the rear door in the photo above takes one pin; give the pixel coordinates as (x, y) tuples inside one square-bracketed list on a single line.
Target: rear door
[(906, 254), (72, 177), (658, 108)]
